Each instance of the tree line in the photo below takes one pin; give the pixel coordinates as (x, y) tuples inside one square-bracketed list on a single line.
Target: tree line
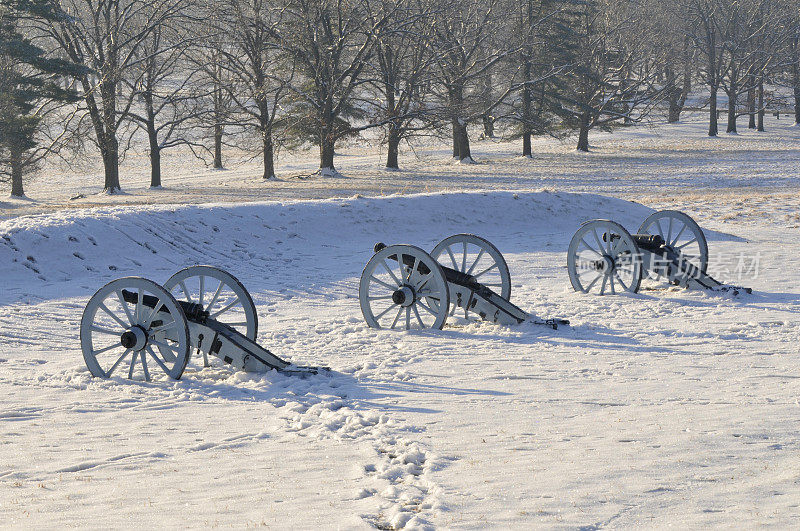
[(85, 78)]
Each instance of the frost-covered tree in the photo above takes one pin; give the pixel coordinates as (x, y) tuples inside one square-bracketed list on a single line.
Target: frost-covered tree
[(795, 70), (736, 43), (707, 32), (669, 26), (744, 54), (209, 80), (253, 71), (780, 46), (467, 42), (398, 72)]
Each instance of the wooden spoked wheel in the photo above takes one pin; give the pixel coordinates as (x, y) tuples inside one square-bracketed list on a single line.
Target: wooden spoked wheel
[(132, 324), (604, 259), (680, 233), (402, 286), (219, 293)]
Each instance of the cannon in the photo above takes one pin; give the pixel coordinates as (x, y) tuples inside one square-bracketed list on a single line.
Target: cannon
[(402, 286), (604, 258), (148, 328)]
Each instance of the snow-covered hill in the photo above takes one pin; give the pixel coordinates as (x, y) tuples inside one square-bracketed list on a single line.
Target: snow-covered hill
[(276, 245), (665, 407)]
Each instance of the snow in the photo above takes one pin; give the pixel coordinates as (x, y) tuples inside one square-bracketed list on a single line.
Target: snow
[(666, 407)]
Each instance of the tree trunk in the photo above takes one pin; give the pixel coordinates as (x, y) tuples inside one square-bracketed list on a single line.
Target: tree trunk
[(218, 113), (713, 129), (218, 146), (17, 189), (464, 154), (796, 104), (732, 108), (761, 103), (152, 137), (269, 155), (527, 150), (674, 112), (674, 97), (111, 164), (488, 125), (527, 97), (155, 158), (104, 124), (686, 88), (393, 133), (751, 105), (456, 153), (394, 147), (327, 140), (674, 108), (488, 119), (583, 134), (326, 151), (626, 108), (795, 78), (456, 97)]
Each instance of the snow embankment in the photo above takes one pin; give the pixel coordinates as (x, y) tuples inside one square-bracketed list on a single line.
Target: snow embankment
[(263, 239)]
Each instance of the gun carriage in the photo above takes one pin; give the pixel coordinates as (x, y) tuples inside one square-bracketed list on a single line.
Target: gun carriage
[(604, 258), (403, 286), (148, 328)]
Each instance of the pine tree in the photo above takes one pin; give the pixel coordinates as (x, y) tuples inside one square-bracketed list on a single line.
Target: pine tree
[(609, 79), (547, 54), (27, 78)]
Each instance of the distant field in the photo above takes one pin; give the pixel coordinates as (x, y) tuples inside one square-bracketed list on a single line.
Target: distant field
[(651, 163)]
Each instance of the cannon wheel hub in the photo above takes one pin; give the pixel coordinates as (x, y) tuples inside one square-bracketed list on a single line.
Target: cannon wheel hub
[(404, 296), (134, 338)]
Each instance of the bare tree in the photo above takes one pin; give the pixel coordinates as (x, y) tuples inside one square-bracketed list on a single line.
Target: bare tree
[(210, 79), (795, 68), (612, 78), (744, 57), (670, 28), (253, 72), (786, 68), (486, 98), (708, 34), (398, 73), (466, 44), (166, 106), (329, 42), (106, 35)]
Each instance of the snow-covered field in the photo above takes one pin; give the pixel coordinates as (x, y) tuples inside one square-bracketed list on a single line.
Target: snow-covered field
[(667, 407)]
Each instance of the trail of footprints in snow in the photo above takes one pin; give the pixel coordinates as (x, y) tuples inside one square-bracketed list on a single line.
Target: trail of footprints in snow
[(400, 473), (398, 476)]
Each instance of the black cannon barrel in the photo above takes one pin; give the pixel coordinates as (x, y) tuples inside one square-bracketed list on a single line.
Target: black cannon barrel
[(193, 311), (451, 275), (648, 242)]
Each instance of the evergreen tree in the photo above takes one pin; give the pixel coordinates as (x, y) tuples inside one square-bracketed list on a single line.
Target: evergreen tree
[(27, 79), (547, 54), (609, 78)]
